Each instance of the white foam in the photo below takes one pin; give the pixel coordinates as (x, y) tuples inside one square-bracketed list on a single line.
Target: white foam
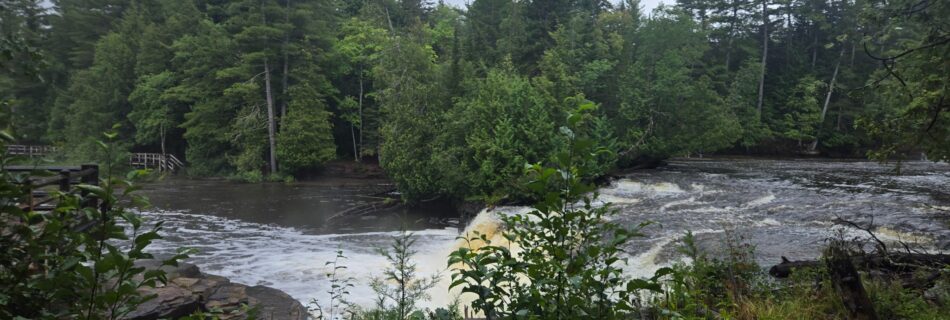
[(295, 262), (627, 186), (761, 201)]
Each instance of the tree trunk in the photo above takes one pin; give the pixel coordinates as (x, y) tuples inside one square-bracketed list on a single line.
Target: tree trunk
[(814, 50), (283, 102), (356, 154), (360, 112), (732, 30), (271, 122), (824, 109), (163, 139), (852, 53), (271, 125), (729, 53), (847, 283), (765, 55)]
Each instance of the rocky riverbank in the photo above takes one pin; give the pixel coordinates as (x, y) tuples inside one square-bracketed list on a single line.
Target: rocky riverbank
[(189, 290)]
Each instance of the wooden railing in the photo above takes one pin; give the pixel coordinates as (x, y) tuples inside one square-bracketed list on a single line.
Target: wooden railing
[(140, 160), (41, 181), (30, 151), (162, 162)]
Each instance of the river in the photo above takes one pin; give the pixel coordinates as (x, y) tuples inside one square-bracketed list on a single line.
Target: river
[(279, 235)]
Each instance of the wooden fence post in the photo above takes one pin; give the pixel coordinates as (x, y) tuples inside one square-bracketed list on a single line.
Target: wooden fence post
[(64, 180), (90, 179)]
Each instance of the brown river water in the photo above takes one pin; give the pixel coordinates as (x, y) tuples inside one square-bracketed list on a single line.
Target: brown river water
[(281, 235)]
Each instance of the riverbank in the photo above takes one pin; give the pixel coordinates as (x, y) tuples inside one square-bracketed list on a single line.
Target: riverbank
[(189, 291)]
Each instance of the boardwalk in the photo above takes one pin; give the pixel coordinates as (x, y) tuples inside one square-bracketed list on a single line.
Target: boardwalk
[(139, 160)]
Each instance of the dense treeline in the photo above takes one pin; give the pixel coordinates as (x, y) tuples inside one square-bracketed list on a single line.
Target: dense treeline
[(454, 101)]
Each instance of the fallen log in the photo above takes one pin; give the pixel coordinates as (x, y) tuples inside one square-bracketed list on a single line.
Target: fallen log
[(892, 262)]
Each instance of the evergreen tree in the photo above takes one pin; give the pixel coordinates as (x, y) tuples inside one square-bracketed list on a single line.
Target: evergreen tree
[(411, 109), (666, 96), (503, 122)]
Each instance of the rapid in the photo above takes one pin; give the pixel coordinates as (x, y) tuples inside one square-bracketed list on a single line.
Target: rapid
[(278, 234)]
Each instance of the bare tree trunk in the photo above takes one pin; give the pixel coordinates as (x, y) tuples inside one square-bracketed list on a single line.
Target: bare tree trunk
[(838, 121), (729, 54), (271, 122), (852, 53), (271, 125), (765, 55), (163, 140), (831, 89), (847, 283), (732, 30), (361, 111), (814, 50), (356, 154), (283, 102)]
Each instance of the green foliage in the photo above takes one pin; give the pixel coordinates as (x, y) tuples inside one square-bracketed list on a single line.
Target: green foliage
[(801, 119), (559, 261), (909, 93), (504, 121), (410, 82), (742, 101), (731, 285), (152, 113), (400, 284), (340, 285), (53, 269), (673, 111), (305, 139), (413, 108), (99, 96)]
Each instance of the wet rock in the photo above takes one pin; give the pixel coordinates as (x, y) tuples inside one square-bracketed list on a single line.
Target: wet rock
[(181, 270), (202, 287), (170, 302), (227, 297), (274, 304), (189, 291)]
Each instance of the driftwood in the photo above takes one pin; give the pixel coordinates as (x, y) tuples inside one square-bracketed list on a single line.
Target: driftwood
[(893, 262), (367, 209), (847, 283)]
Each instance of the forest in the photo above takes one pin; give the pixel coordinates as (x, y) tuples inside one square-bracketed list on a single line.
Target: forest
[(537, 111), (453, 101)]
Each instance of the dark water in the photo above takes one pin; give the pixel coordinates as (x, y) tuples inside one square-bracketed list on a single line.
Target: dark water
[(787, 207), (314, 207), (281, 235)]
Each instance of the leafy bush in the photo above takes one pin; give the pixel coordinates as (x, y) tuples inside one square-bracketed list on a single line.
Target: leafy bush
[(401, 284), (561, 260), (306, 138), (49, 268), (397, 293)]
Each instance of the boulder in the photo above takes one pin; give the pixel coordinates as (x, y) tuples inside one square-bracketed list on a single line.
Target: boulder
[(201, 287), (228, 298), (170, 302), (189, 291), (274, 304)]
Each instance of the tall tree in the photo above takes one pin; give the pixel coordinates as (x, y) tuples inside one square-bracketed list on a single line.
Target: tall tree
[(361, 46), (765, 54)]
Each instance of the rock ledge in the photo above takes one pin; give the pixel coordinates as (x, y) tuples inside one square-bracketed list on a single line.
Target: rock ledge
[(189, 290)]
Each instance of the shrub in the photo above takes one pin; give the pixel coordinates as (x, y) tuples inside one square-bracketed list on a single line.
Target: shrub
[(49, 268), (566, 265)]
